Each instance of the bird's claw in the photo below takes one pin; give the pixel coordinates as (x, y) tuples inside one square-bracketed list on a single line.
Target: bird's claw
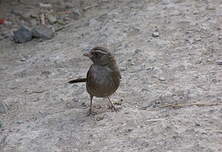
[(90, 112)]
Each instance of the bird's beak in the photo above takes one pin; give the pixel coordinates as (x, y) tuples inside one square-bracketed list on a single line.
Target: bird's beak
[(88, 54)]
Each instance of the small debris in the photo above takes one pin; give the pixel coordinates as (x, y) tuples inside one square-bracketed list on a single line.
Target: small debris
[(23, 34), (99, 118), (42, 19), (2, 21), (44, 5), (162, 79), (89, 7), (155, 34), (52, 19), (84, 105), (43, 32), (197, 39), (189, 104), (63, 27), (197, 124), (137, 51), (76, 12)]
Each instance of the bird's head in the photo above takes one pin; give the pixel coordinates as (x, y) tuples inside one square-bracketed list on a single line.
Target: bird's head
[(100, 56)]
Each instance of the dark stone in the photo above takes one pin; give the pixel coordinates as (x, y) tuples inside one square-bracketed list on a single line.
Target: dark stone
[(155, 34), (43, 32), (23, 34)]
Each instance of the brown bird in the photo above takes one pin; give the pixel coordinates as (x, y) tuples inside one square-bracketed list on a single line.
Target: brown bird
[(103, 77)]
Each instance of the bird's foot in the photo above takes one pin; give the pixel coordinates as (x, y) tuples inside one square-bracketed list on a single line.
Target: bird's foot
[(113, 108), (90, 112)]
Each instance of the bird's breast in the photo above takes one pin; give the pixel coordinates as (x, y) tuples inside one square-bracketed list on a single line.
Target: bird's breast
[(101, 81)]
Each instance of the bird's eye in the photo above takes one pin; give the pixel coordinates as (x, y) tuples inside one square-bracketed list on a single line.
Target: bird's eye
[(96, 54)]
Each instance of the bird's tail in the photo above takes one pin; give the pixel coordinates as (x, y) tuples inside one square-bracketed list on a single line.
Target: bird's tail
[(77, 80)]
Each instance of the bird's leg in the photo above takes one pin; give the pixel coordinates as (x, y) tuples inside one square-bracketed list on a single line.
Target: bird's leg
[(90, 106), (112, 105)]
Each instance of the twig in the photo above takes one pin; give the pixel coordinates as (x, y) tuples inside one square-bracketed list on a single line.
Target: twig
[(218, 131), (190, 104), (154, 120), (63, 27), (89, 7), (42, 19), (38, 91)]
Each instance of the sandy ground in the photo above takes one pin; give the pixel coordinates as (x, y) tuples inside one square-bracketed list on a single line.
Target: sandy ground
[(45, 114)]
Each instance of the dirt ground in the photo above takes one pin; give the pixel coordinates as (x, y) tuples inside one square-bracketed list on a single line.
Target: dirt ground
[(169, 53)]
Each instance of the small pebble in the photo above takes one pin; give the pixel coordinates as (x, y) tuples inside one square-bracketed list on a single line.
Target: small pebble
[(198, 39), (84, 104), (162, 79), (197, 124), (99, 118), (155, 34), (137, 51), (76, 12), (52, 19), (219, 62)]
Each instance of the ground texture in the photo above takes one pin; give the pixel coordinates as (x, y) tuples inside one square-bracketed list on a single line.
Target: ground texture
[(169, 53)]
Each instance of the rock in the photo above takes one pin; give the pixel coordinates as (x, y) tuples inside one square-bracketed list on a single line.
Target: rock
[(42, 31), (52, 19), (162, 79), (219, 62), (99, 118), (3, 108), (23, 34), (76, 13), (155, 34)]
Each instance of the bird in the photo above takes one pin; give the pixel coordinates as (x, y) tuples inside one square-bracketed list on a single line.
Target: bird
[(103, 77)]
